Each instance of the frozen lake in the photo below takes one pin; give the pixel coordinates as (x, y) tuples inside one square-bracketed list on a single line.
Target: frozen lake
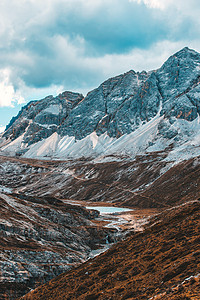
[(109, 209)]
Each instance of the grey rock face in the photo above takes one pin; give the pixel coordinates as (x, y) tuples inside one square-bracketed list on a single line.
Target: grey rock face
[(39, 119), (43, 237), (178, 82), (119, 105), (100, 106), (140, 107)]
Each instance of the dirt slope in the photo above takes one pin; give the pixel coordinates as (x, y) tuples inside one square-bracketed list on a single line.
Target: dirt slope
[(163, 262)]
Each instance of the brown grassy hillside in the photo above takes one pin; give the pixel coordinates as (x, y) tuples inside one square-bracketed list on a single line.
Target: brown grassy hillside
[(163, 262)]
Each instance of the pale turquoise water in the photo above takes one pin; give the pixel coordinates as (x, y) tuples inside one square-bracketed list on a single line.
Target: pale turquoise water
[(109, 209)]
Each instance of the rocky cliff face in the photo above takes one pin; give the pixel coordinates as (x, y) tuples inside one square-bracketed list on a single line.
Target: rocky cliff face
[(148, 110), (39, 119), (41, 238)]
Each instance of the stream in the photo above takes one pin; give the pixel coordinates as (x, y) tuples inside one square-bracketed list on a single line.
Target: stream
[(110, 214), (109, 209), (118, 218)]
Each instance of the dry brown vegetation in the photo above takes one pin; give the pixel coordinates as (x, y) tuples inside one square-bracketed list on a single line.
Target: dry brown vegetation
[(162, 262)]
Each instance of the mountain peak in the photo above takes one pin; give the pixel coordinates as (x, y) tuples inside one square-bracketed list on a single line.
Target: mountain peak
[(184, 59), (187, 52)]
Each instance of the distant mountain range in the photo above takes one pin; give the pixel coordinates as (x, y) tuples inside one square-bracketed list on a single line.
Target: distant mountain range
[(129, 114)]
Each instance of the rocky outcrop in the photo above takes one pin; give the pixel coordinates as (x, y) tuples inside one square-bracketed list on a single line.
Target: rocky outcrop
[(39, 119), (100, 106), (41, 238)]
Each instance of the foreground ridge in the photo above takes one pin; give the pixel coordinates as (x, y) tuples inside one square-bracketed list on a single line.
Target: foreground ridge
[(160, 263)]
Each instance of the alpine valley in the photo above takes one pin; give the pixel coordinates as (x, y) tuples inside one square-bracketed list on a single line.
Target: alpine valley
[(133, 142)]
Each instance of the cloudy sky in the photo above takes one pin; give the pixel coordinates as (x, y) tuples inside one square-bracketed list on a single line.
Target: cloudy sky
[(50, 46)]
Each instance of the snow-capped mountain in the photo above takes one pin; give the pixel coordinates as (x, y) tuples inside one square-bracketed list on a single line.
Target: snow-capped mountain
[(129, 114)]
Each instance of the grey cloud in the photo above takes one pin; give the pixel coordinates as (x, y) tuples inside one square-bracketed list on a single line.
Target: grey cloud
[(70, 43), (108, 29)]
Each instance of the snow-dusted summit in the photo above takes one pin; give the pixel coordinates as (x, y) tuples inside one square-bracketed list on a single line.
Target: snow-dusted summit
[(129, 114)]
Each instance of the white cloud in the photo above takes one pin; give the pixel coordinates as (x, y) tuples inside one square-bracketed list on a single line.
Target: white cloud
[(7, 93), (137, 59), (2, 128), (186, 8), (160, 4)]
